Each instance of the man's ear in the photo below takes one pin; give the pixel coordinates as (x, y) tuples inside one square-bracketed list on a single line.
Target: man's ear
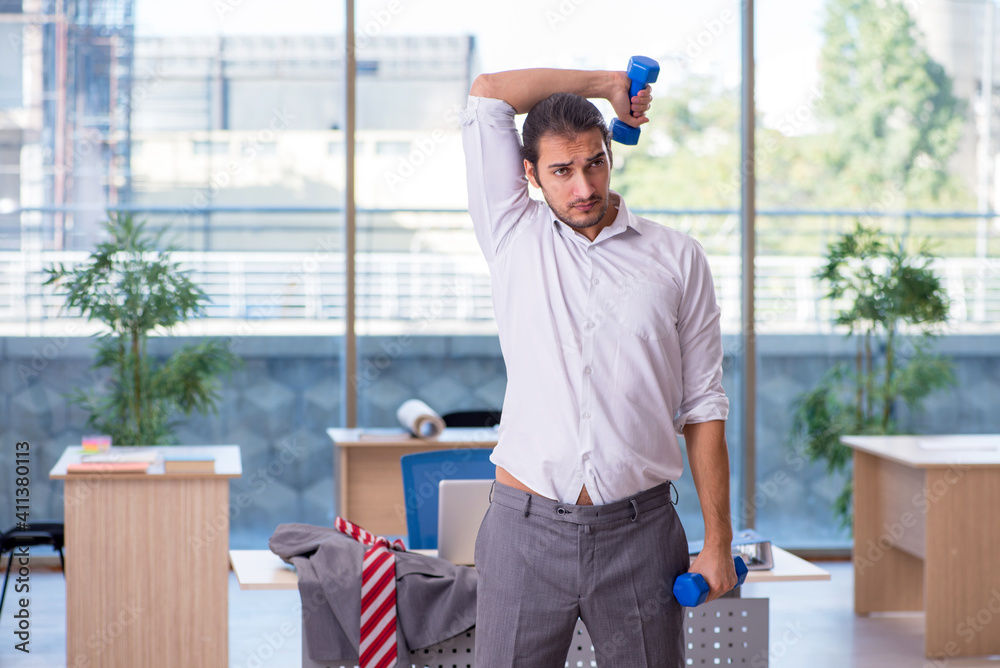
[(529, 171)]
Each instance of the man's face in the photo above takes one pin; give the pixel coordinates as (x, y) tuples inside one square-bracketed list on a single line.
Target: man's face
[(574, 175)]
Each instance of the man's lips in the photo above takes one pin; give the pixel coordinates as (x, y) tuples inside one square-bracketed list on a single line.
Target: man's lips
[(586, 206)]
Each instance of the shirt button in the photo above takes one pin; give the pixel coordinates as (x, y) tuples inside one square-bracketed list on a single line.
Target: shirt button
[(596, 281), (587, 370), (590, 325), (586, 415)]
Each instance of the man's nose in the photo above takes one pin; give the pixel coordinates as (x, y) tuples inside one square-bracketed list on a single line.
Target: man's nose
[(582, 187)]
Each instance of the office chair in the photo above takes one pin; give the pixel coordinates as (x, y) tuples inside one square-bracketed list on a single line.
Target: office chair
[(487, 418), (422, 471), (34, 533)]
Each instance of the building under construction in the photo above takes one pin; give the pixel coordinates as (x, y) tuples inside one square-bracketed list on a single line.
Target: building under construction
[(64, 120), (92, 116)]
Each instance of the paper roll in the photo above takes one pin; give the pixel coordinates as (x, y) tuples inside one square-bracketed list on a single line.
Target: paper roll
[(420, 419)]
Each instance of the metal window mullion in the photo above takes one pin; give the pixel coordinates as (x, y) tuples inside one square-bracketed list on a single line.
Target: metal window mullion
[(350, 407), (748, 331)]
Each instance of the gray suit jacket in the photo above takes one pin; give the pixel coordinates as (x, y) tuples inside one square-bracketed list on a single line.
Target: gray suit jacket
[(435, 599)]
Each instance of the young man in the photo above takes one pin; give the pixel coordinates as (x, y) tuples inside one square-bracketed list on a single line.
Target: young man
[(610, 333)]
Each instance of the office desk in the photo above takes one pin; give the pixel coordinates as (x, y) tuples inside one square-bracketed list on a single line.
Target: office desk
[(927, 535), (746, 642), (146, 564), (369, 477)]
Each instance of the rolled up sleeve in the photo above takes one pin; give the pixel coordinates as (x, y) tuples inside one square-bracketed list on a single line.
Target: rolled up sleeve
[(700, 338)]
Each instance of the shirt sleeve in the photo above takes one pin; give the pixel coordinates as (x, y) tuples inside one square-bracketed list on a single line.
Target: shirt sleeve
[(498, 189), (700, 338)]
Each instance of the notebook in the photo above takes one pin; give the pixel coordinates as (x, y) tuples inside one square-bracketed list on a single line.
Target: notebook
[(462, 505)]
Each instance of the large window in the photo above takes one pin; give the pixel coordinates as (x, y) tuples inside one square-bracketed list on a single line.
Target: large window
[(869, 113), (426, 326), (226, 123)]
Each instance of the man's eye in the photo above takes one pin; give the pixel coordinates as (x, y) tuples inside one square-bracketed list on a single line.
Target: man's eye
[(560, 171), (597, 163)]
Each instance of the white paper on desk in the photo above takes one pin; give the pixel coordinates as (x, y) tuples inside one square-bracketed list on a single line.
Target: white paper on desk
[(420, 419), (973, 442)]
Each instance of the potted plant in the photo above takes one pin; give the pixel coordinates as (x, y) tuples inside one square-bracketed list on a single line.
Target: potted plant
[(131, 285), (893, 303)]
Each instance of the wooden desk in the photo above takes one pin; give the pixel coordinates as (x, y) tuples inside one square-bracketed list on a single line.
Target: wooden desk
[(370, 480), (927, 535), (146, 564)]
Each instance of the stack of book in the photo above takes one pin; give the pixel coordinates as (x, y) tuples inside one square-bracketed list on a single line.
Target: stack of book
[(115, 460), (188, 464)]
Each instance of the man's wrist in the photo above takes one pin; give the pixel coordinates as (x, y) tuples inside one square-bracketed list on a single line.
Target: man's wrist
[(719, 542), (610, 82)]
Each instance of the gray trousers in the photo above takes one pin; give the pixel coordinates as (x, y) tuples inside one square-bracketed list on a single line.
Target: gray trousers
[(542, 564)]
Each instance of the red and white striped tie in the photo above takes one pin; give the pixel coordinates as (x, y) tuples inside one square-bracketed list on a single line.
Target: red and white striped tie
[(378, 596)]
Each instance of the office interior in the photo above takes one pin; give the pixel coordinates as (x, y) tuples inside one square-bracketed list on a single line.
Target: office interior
[(303, 163)]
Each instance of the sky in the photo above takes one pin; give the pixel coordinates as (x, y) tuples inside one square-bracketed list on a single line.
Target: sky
[(687, 37)]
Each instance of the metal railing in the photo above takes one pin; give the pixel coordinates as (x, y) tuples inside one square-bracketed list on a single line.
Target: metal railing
[(419, 265), (407, 287)]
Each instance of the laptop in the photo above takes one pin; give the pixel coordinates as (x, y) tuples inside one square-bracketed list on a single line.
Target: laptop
[(462, 505)]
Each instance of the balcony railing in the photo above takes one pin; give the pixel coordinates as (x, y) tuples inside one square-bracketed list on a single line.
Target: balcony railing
[(444, 282)]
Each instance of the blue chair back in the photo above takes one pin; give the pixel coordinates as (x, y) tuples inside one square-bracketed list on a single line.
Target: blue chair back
[(422, 471)]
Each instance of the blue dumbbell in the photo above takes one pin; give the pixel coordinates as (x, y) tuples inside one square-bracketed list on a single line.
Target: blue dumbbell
[(691, 590), (641, 71)]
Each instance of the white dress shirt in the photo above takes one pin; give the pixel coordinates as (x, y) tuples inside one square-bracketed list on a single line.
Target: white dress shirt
[(611, 346)]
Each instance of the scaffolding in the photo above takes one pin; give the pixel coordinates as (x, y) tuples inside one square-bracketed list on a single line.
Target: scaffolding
[(76, 121)]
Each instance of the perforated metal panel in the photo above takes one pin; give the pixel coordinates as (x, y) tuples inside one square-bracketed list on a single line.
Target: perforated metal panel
[(581, 650), (455, 652), (727, 632)]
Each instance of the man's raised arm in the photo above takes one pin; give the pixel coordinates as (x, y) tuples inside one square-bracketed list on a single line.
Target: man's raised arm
[(498, 189), (523, 89)]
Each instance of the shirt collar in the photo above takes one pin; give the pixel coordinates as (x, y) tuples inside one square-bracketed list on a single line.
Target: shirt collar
[(625, 220)]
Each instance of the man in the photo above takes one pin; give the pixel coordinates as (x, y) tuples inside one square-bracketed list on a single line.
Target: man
[(610, 333)]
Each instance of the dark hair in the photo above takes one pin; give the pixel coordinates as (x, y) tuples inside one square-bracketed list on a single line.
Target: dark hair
[(564, 115)]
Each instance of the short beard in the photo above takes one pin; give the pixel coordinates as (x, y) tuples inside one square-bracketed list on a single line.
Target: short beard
[(564, 217)]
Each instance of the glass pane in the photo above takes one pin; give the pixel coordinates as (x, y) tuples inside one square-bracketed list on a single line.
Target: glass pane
[(873, 114), (220, 123), (425, 320)]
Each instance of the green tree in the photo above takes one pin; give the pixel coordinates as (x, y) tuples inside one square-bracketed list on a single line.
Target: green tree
[(688, 154), (134, 288), (888, 105)]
